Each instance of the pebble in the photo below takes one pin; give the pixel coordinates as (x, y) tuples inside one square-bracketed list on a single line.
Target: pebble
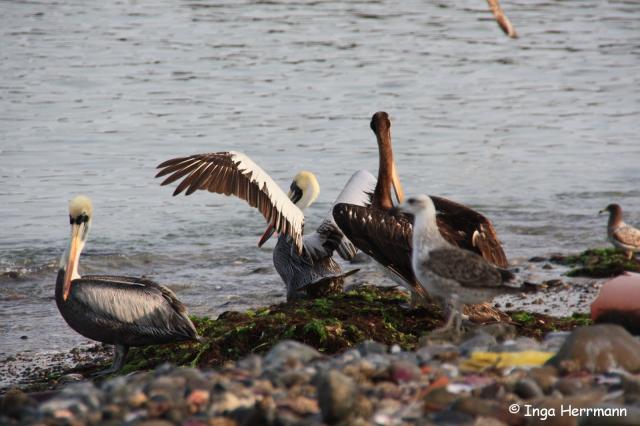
[(289, 352), (598, 349), (293, 384), (528, 389), (337, 396)]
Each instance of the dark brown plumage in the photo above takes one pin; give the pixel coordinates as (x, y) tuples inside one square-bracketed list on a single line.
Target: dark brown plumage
[(385, 234), (382, 235)]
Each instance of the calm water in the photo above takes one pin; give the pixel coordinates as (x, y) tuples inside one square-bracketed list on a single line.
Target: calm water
[(539, 133)]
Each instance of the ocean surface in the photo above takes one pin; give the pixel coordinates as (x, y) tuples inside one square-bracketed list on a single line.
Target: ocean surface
[(539, 133)]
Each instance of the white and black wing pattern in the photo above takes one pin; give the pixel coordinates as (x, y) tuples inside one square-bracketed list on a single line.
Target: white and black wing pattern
[(233, 173), (328, 237)]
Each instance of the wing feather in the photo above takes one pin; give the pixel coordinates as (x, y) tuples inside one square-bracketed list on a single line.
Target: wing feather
[(136, 302), (463, 266), (380, 234), (470, 230), (328, 237), (233, 173), (627, 235)]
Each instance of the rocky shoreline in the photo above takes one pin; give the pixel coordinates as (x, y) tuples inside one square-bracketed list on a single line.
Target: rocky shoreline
[(361, 357), (491, 378)]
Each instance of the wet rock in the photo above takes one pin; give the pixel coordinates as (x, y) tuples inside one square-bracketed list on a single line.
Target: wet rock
[(442, 352), (477, 407), (289, 352), (615, 416), (631, 384), (337, 396), (598, 349), (555, 405), (478, 341), (70, 378), (402, 371), (360, 370), (571, 386), (81, 401), (500, 331), (438, 399), (15, 402), (527, 389), (369, 347), (554, 340), (546, 377), (197, 400)]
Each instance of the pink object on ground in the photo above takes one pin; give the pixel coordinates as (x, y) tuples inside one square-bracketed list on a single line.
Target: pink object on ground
[(619, 302)]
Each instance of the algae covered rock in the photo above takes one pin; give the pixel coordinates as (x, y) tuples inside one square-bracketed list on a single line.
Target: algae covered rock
[(600, 263)]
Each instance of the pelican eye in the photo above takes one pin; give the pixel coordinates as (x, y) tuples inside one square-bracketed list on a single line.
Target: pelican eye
[(83, 218), (412, 201)]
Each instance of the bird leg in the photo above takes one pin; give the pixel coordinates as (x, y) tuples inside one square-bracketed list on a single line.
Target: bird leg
[(453, 325), (119, 355)]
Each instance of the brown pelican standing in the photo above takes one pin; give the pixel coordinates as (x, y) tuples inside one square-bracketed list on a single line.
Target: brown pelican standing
[(305, 264), (622, 236), (450, 274), (123, 311), (386, 234)]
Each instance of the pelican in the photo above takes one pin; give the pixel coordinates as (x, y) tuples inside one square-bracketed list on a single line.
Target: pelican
[(451, 275), (305, 264), (122, 311), (624, 237), (386, 234)]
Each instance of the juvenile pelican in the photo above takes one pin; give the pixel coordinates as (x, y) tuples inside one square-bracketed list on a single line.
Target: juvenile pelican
[(386, 235), (451, 275), (305, 264), (123, 311), (622, 236)]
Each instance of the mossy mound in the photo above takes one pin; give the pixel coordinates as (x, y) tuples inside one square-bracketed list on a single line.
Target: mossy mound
[(331, 325), (600, 263), (537, 325)]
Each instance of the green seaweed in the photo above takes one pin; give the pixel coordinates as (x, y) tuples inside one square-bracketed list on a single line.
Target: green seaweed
[(600, 263), (331, 325), (537, 325)]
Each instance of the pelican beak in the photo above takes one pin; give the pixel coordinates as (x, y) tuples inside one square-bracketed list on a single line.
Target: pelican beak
[(267, 234), (397, 186), (72, 260)]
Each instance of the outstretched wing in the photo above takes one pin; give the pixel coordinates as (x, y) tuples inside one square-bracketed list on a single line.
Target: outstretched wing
[(468, 229), (328, 237), (463, 266), (233, 173)]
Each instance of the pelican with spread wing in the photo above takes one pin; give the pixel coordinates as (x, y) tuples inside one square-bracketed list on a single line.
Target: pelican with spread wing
[(304, 262), (385, 234), (123, 311)]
